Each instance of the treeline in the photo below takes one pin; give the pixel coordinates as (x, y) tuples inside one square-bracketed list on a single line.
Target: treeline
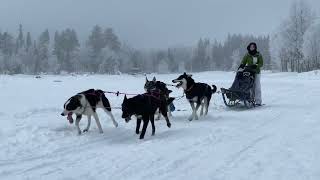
[(103, 52), (296, 44), (62, 53), (226, 56)]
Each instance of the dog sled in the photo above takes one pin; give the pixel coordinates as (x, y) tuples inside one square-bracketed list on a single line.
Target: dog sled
[(242, 90)]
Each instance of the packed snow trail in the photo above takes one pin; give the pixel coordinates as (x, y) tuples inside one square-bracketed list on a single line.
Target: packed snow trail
[(280, 140)]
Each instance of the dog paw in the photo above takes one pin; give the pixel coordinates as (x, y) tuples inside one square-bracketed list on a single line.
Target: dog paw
[(101, 132), (141, 137), (85, 130), (79, 133), (137, 132), (190, 118), (116, 124), (169, 125), (196, 118)]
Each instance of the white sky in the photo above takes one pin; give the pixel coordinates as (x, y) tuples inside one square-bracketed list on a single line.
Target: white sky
[(149, 23)]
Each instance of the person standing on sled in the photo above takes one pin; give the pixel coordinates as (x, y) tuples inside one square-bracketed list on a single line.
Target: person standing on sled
[(254, 58)]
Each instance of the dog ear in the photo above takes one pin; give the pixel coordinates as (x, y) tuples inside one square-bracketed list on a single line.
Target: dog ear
[(154, 79), (184, 73), (147, 79), (125, 98)]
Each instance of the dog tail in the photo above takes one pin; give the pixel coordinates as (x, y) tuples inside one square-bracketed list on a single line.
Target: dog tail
[(170, 100), (214, 89), (105, 102)]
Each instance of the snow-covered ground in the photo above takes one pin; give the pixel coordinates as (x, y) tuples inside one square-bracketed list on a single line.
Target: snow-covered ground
[(279, 141)]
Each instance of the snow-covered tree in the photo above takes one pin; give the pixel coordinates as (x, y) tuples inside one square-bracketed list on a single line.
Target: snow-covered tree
[(28, 42), (173, 65), (20, 42), (112, 40), (65, 47), (292, 34), (43, 50), (163, 66), (200, 61), (236, 58), (311, 48), (96, 43)]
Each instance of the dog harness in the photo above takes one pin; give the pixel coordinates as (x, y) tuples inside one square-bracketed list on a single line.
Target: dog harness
[(94, 93), (189, 88)]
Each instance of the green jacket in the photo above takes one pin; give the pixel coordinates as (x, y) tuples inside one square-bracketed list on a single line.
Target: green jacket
[(248, 60)]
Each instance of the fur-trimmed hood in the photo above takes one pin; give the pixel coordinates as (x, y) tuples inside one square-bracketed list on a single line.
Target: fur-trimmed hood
[(254, 52)]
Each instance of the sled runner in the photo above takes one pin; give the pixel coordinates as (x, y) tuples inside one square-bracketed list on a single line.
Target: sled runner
[(242, 89)]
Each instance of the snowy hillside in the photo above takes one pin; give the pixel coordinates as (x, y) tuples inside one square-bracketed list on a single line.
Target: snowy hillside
[(279, 141)]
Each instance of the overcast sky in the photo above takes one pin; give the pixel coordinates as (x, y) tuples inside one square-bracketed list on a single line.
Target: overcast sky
[(149, 23)]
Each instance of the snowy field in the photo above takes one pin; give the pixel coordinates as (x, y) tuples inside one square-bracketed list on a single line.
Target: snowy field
[(279, 141)]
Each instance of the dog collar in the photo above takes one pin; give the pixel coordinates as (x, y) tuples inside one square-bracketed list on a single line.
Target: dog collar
[(189, 88)]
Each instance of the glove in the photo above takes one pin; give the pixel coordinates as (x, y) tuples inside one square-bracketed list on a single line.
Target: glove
[(254, 66), (241, 66)]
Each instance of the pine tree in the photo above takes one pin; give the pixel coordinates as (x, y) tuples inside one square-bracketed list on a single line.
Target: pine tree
[(172, 64), (57, 48), (7, 44), (96, 40), (199, 58), (43, 48), (37, 60), (28, 42), (65, 46), (96, 43), (112, 40), (20, 40)]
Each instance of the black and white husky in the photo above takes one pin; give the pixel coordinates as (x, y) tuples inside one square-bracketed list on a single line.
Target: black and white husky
[(86, 103), (196, 93)]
